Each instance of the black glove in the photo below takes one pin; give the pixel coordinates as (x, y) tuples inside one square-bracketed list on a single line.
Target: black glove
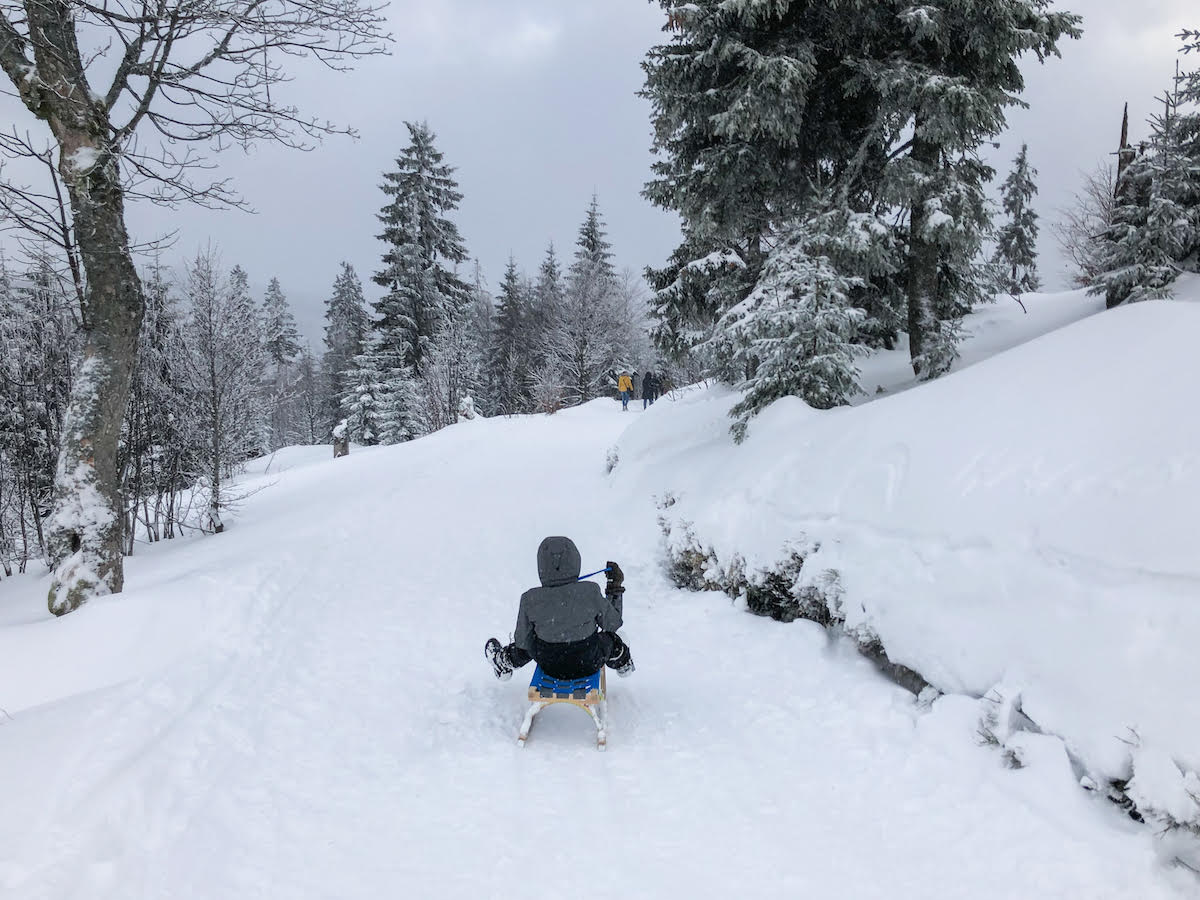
[(616, 578)]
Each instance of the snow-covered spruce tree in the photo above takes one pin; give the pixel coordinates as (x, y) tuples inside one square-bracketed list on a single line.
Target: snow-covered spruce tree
[(593, 252), (689, 295), (1188, 83), (1155, 223), (1137, 261), (1187, 87), (508, 362), (281, 343), (797, 331), (423, 250), (347, 325), (281, 340), (404, 407), (224, 367), (799, 325), (752, 111), (547, 382), (1016, 240), (580, 344), (383, 402), (1155, 233), (243, 309), (762, 109), (548, 290), (945, 72), (360, 403)]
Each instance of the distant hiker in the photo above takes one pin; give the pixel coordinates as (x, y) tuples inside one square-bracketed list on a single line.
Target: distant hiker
[(649, 385), (567, 625), (625, 386)]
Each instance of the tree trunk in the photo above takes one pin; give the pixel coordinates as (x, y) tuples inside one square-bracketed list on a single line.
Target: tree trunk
[(84, 543), (214, 497), (922, 254)]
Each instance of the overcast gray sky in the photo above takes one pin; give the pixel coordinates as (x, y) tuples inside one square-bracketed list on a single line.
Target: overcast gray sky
[(534, 102)]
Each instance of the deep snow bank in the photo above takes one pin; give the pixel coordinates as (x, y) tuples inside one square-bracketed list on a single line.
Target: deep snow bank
[(1022, 526)]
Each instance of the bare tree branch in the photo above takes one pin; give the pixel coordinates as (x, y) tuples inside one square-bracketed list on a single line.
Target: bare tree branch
[(1084, 221), (13, 59)]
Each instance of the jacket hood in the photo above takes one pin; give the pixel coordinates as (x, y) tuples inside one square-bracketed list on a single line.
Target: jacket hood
[(558, 562)]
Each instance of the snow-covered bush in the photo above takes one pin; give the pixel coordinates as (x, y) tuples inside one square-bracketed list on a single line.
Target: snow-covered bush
[(1165, 792), (611, 459), (466, 409), (781, 594)]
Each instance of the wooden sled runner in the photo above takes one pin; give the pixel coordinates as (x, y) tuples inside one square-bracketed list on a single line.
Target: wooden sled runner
[(586, 693)]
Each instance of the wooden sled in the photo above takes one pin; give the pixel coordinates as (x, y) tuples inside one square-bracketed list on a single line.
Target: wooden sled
[(587, 693)]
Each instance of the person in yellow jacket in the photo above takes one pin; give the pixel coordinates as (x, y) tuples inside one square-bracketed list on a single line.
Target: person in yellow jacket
[(625, 386)]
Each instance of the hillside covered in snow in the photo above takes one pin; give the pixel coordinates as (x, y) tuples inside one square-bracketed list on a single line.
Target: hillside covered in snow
[(1017, 531), (300, 707)]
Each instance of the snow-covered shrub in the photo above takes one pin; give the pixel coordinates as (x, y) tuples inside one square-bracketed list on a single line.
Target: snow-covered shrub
[(1002, 718), (784, 592), (547, 388), (781, 594), (693, 566), (466, 409), (1164, 792), (689, 565)]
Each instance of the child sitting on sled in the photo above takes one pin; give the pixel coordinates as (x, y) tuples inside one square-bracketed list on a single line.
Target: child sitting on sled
[(567, 625)]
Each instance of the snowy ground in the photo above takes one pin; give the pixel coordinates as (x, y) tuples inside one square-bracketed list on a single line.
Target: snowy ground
[(300, 708), (991, 329)]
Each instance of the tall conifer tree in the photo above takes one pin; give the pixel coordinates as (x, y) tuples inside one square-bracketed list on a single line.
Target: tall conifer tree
[(1016, 241), (867, 117), (423, 249), (508, 364), (581, 337), (347, 326), (281, 340), (1155, 233)]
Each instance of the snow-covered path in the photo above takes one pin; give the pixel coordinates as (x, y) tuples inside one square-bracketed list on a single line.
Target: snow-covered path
[(300, 708)]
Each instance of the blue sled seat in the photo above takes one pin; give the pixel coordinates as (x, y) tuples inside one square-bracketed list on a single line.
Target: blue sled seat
[(575, 688)]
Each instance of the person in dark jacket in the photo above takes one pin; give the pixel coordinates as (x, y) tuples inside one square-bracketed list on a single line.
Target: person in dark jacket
[(568, 626), (649, 389)]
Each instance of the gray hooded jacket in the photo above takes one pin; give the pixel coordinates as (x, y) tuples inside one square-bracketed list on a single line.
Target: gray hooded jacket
[(564, 609)]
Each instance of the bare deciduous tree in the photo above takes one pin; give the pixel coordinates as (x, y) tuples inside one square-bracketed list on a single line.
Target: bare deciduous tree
[(122, 85), (1084, 222)]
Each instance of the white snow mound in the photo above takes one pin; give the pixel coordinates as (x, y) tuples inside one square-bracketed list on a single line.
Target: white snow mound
[(1027, 521)]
